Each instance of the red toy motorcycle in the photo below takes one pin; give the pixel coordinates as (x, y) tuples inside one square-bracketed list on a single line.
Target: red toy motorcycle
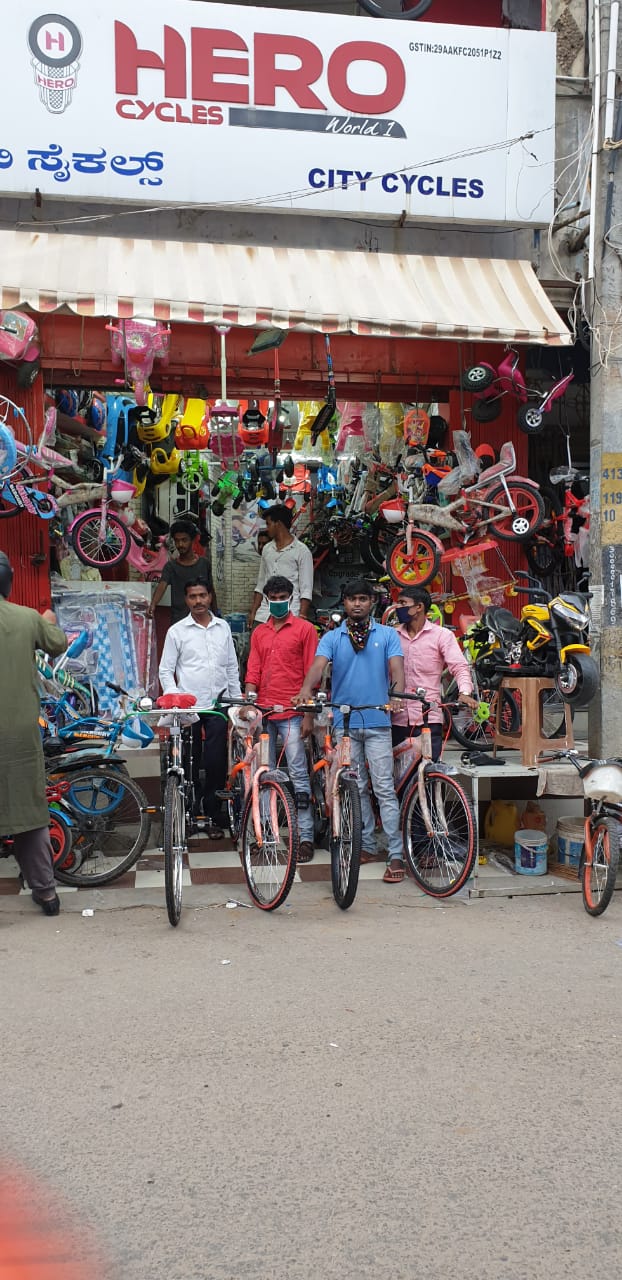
[(490, 385)]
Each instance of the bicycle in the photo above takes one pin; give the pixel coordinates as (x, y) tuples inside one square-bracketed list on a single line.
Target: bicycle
[(512, 507), (438, 821), (336, 798), (600, 856), (261, 809)]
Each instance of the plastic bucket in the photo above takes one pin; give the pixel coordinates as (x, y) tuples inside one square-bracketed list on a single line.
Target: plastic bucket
[(570, 833), (530, 850)]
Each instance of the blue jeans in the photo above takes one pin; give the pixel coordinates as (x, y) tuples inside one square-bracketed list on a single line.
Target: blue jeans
[(374, 745), (296, 757)]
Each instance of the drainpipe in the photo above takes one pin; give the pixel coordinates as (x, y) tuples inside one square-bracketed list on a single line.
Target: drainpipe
[(611, 70)]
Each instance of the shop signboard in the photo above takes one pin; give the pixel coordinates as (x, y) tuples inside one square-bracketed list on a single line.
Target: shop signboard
[(181, 103)]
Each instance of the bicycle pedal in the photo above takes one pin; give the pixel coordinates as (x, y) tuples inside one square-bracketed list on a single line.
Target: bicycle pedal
[(223, 795)]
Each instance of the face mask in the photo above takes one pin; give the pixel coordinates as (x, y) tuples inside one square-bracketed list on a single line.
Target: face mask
[(402, 613), (279, 608)]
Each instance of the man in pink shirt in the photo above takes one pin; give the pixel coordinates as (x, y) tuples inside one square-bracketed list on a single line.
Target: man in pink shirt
[(282, 650), (428, 651)]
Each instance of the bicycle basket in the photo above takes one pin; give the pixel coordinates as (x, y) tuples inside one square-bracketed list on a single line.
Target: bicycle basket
[(604, 782)]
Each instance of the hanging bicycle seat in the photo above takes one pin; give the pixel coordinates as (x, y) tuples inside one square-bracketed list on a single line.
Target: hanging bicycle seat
[(506, 463)]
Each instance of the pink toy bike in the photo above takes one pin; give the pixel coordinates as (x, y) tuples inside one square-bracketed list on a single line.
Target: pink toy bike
[(490, 385), (103, 537), (136, 345)]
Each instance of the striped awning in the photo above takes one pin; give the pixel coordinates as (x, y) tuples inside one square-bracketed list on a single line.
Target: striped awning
[(370, 294)]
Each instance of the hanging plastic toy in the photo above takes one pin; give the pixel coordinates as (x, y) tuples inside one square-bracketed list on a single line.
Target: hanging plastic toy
[(136, 345)]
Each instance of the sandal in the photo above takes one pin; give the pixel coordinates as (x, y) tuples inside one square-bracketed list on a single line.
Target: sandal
[(395, 872), (368, 856)]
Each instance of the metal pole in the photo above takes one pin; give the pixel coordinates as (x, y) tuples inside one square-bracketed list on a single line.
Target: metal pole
[(604, 313)]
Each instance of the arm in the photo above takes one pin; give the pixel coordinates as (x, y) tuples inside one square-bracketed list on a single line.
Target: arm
[(396, 674), (313, 677), (253, 666), (305, 581), (159, 591), (257, 599), (458, 667), (49, 636), (233, 672), (168, 664)]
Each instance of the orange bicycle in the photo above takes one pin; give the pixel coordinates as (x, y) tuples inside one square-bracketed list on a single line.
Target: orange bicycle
[(261, 809)]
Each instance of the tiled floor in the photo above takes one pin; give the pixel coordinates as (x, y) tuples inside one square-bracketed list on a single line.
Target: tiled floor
[(207, 862)]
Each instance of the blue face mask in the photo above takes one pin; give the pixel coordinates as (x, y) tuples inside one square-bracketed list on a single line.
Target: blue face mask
[(279, 608), (402, 613)]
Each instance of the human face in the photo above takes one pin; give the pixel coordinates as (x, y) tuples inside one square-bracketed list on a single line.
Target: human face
[(283, 600), (416, 610), (183, 544), (263, 539), (358, 607), (271, 527), (199, 600)]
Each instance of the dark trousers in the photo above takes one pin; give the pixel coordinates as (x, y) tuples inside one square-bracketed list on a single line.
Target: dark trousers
[(33, 853), (400, 732), (209, 752)]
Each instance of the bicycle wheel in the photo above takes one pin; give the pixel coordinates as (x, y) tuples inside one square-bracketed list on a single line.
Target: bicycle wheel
[(270, 867), (174, 840), (469, 732), (442, 861), (109, 823), (8, 509), (318, 797), (527, 516), (345, 849), (61, 839), (234, 794), (375, 542), (87, 543), (418, 568), (599, 865)]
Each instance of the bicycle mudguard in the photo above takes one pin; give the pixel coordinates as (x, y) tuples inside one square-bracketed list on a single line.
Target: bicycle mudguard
[(439, 766), (277, 775), (76, 760)]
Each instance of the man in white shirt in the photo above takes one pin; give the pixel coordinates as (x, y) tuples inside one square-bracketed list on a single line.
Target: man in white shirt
[(199, 657), (285, 557)]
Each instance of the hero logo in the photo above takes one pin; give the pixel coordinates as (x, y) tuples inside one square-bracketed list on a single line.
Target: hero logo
[(219, 67), (56, 46)]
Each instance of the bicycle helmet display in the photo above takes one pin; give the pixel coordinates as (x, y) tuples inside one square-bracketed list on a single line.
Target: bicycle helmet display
[(6, 575)]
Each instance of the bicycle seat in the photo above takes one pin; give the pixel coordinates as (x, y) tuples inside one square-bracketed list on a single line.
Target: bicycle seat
[(500, 619), (506, 463)]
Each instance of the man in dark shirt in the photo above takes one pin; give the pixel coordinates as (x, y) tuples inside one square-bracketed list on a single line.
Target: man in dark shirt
[(187, 567)]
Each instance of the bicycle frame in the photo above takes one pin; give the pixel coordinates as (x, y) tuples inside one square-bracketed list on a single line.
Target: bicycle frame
[(254, 764)]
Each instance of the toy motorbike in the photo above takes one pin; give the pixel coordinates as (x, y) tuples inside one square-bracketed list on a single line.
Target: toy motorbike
[(136, 345), (19, 344), (549, 639), (490, 385)]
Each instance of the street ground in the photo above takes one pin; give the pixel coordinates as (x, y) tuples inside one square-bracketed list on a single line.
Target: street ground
[(400, 1091)]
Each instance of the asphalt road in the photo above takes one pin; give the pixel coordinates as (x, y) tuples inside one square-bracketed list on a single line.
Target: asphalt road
[(395, 1092)]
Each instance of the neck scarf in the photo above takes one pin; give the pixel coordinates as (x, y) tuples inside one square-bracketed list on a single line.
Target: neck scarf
[(358, 631)]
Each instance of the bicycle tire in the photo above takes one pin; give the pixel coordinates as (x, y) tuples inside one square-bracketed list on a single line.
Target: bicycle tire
[(601, 856), (469, 733), (318, 796), (117, 830), (442, 863), (235, 791), (374, 544), (269, 868), (8, 509), (174, 841), (418, 568), (87, 546), (521, 524), (345, 849), (61, 839)]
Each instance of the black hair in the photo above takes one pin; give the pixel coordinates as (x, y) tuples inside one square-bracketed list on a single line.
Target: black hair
[(196, 582), (280, 513), (358, 587), (418, 595), (278, 583), (183, 526)]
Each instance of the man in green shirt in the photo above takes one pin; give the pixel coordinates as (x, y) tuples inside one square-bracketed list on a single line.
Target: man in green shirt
[(24, 810), (187, 567)]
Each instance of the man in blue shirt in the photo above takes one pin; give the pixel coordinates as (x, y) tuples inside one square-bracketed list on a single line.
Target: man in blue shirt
[(366, 659)]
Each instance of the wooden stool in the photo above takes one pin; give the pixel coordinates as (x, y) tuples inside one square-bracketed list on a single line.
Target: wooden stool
[(530, 740)]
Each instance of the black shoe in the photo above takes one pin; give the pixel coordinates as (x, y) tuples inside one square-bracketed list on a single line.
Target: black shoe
[(49, 906)]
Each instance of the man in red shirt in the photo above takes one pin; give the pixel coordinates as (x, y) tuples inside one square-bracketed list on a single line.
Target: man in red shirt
[(282, 650)]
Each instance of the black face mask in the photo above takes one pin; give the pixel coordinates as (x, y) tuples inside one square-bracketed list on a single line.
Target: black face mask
[(402, 613)]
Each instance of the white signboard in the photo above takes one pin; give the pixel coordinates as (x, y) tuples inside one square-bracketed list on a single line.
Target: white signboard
[(174, 102)]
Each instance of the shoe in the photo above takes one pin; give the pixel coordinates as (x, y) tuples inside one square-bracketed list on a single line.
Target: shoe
[(306, 851), (49, 906), (212, 832)]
